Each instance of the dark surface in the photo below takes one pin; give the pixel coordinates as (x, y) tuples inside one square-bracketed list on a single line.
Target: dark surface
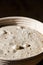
[(40, 63), (28, 8)]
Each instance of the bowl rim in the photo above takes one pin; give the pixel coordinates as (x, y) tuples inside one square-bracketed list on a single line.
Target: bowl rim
[(13, 17)]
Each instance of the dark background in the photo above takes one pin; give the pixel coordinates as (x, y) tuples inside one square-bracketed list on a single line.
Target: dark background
[(27, 8)]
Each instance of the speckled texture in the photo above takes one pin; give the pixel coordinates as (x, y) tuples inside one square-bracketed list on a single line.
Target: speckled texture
[(19, 42)]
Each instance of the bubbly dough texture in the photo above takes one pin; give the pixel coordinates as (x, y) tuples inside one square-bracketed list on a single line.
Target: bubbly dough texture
[(19, 42)]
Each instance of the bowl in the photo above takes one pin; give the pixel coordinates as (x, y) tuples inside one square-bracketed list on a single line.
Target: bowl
[(23, 21)]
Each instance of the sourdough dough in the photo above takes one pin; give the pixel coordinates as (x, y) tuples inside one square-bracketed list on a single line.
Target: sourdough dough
[(19, 42)]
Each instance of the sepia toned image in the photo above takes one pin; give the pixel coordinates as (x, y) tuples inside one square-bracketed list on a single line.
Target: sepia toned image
[(21, 32)]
